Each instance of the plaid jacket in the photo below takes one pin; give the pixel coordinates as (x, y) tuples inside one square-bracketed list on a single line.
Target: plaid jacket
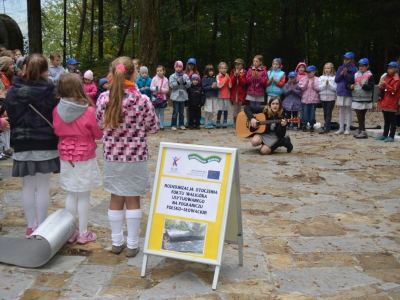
[(128, 142), (28, 130)]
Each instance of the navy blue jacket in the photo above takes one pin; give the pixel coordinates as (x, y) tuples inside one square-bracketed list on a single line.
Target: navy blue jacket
[(207, 86)]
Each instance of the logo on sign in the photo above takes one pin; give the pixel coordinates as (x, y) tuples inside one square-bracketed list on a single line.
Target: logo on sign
[(213, 174), (204, 160)]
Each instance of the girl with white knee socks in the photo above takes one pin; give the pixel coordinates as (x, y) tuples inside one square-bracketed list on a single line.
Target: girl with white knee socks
[(35, 144), (127, 118), (76, 125)]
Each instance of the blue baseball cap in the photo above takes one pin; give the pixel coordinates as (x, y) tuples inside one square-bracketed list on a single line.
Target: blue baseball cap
[(311, 68), (191, 61), (103, 81), (363, 61), (348, 55), (292, 74), (392, 64), (72, 61)]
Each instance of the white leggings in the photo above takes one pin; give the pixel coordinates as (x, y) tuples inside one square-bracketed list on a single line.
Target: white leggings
[(342, 111), (79, 201), (41, 184)]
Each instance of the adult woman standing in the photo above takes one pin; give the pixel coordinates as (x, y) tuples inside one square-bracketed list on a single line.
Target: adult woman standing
[(35, 144)]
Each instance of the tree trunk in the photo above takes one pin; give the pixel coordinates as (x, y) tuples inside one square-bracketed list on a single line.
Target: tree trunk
[(214, 39), (149, 37), (101, 30), (34, 26), (91, 29), (133, 32), (123, 37), (82, 23), (65, 33), (182, 4), (250, 36), (119, 22)]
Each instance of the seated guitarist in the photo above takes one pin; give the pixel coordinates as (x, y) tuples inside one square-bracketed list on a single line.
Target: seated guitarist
[(274, 137)]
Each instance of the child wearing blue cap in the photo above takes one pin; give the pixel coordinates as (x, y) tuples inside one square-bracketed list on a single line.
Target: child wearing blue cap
[(276, 79), (309, 98), (327, 94), (362, 87), (292, 102), (72, 67), (344, 98), (390, 87)]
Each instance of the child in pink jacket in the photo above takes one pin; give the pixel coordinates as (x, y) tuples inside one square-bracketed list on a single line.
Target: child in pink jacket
[(309, 97), (74, 121), (89, 86)]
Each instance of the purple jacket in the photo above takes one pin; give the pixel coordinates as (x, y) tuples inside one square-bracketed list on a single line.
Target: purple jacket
[(292, 100), (342, 80)]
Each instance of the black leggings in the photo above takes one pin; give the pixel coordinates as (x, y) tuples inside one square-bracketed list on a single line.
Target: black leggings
[(361, 118), (390, 122)]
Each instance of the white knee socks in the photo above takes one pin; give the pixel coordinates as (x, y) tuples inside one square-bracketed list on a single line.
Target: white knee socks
[(116, 218), (41, 183), (133, 219)]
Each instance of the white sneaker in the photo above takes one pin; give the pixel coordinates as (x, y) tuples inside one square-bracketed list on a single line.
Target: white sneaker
[(340, 131), (347, 132), (183, 127), (173, 128)]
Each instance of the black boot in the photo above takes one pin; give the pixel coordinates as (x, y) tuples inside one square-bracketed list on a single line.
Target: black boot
[(282, 143), (287, 144)]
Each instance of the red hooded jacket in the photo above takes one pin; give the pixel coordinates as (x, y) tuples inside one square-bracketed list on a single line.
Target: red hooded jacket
[(238, 86)]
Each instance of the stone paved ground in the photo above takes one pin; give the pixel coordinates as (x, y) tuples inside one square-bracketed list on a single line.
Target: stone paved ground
[(320, 223)]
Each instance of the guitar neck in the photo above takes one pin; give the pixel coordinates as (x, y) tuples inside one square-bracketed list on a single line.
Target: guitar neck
[(269, 122)]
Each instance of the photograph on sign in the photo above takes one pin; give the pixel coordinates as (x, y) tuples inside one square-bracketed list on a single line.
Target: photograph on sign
[(194, 164), (188, 198), (184, 236)]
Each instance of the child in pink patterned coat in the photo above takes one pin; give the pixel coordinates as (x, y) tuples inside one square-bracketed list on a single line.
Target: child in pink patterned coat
[(127, 117)]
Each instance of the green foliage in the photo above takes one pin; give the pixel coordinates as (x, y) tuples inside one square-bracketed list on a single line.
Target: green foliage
[(295, 30)]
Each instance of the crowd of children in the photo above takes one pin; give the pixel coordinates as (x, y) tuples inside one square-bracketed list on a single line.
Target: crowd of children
[(64, 113)]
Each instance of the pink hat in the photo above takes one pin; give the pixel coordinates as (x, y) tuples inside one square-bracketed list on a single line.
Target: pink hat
[(88, 75), (178, 63)]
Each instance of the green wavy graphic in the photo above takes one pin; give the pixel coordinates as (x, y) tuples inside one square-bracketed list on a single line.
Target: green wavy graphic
[(204, 160)]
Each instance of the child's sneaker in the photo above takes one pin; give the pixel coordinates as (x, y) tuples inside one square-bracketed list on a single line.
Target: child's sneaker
[(132, 252), (295, 128), (224, 125), (304, 128), (312, 129), (346, 132), (28, 232), (218, 124), (183, 127), (389, 139), (340, 131), (74, 237), (381, 137), (86, 238), (173, 128)]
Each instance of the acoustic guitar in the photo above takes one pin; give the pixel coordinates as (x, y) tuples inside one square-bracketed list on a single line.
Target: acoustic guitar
[(244, 129)]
